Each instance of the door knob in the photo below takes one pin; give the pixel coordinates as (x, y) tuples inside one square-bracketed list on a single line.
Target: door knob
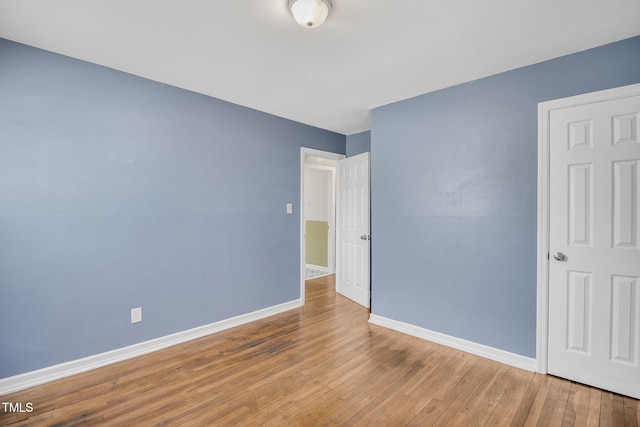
[(365, 237), (559, 256)]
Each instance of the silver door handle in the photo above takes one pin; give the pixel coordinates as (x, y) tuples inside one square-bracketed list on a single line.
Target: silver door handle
[(365, 237), (559, 256)]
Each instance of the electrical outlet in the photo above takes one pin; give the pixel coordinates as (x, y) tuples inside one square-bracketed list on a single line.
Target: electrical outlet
[(289, 208), (136, 315)]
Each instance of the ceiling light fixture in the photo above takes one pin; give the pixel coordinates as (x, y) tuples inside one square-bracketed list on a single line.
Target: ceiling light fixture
[(310, 13)]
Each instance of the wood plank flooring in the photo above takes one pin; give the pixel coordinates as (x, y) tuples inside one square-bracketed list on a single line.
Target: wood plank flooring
[(320, 365)]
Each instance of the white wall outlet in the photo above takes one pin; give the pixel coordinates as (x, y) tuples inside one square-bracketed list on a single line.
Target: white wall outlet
[(136, 315), (289, 208)]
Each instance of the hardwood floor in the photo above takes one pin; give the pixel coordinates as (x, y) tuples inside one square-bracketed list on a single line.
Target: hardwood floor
[(319, 365)]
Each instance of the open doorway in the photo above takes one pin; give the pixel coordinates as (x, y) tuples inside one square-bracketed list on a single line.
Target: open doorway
[(319, 220), (317, 214)]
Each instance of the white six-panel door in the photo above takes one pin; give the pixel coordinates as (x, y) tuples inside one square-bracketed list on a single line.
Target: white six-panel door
[(352, 251), (594, 243)]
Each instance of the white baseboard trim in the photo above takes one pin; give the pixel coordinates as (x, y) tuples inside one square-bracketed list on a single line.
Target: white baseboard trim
[(56, 372), (481, 350)]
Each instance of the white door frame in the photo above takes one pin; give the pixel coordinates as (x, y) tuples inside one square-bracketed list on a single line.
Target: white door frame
[(304, 152), (544, 112)]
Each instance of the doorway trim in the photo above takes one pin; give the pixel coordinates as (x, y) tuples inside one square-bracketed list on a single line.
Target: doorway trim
[(304, 152), (544, 193)]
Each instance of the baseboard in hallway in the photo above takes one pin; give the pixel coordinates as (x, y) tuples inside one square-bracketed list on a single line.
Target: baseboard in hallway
[(315, 272)]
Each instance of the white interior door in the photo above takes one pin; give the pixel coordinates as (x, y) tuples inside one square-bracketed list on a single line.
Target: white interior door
[(594, 242), (352, 273)]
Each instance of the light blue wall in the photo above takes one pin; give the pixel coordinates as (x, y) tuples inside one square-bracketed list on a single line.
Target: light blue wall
[(118, 192), (358, 143), (453, 181)]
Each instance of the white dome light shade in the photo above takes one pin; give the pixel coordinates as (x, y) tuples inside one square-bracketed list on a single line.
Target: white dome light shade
[(310, 13)]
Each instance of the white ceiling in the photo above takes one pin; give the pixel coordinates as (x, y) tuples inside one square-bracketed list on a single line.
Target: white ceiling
[(368, 53)]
